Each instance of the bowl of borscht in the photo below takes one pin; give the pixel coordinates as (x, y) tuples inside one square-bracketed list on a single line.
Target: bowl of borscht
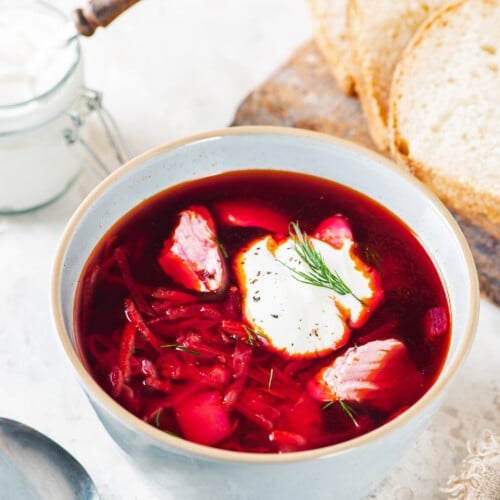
[(264, 312)]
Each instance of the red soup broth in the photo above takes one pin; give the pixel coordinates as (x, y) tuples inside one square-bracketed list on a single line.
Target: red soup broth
[(188, 363)]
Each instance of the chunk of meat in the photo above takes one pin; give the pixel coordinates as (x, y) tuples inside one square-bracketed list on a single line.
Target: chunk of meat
[(435, 322), (192, 255), (379, 374)]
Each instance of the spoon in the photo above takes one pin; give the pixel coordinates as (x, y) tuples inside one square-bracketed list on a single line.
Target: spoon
[(95, 14), (98, 13), (33, 467)]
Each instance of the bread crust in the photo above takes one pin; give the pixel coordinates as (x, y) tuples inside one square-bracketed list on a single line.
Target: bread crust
[(378, 33), (303, 93), (479, 206), (365, 85), (332, 40)]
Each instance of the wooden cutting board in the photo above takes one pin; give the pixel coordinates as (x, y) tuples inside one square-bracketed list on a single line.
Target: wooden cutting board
[(302, 93)]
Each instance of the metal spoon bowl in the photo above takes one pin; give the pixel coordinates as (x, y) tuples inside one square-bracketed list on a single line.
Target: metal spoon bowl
[(34, 467)]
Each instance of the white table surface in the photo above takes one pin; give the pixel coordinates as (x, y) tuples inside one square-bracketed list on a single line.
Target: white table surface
[(167, 70)]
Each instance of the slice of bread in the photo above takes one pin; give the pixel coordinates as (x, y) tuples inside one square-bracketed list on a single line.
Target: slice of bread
[(330, 33), (445, 109), (379, 32), (303, 93)]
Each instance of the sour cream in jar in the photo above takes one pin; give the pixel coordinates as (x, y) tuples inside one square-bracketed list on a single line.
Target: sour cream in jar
[(44, 106)]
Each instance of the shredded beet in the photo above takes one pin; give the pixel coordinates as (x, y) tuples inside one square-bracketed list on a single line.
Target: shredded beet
[(435, 322), (133, 287), (134, 316), (127, 344)]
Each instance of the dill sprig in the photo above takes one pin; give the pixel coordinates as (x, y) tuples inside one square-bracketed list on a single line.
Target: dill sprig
[(157, 418), (157, 424), (319, 273), (346, 408), (372, 257), (223, 250), (327, 405), (349, 411), (251, 335)]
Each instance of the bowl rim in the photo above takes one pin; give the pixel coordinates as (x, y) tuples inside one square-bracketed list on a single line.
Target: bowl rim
[(181, 446)]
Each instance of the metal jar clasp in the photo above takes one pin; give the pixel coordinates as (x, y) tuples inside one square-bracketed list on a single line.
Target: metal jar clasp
[(90, 102)]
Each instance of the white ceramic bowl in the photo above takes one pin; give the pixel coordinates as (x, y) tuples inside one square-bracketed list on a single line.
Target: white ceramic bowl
[(348, 470)]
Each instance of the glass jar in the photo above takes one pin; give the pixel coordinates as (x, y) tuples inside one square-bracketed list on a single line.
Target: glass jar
[(44, 111)]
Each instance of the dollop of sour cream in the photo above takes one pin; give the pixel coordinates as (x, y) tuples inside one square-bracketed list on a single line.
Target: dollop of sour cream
[(296, 318)]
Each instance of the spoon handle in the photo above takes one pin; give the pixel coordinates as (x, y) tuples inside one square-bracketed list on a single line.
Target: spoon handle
[(99, 13)]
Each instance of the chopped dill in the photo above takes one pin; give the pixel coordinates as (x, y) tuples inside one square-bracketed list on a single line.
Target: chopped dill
[(157, 424), (346, 408), (157, 418), (270, 381), (349, 411), (327, 405), (222, 249), (372, 257), (179, 347), (252, 335)]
